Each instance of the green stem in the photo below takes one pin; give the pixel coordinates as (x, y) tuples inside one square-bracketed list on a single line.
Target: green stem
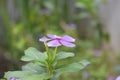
[(55, 52), (46, 46), (47, 50), (49, 64), (50, 67)]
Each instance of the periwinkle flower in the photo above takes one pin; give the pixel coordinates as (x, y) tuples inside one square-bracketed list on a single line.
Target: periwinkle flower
[(85, 75), (68, 27), (72, 26), (118, 78), (97, 53), (46, 11), (12, 78), (55, 41)]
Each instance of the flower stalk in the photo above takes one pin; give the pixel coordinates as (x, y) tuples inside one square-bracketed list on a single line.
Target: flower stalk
[(55, 41), (54, 55)]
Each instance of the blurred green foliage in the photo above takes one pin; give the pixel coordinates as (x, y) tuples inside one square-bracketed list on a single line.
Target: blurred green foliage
[(25, 21)]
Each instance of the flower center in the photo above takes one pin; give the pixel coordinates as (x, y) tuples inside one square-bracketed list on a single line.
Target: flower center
[(58, 39)]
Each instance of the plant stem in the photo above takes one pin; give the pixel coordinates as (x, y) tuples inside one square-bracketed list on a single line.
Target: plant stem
[(55, 52), (49, 62), (50, 69), (47, 50)]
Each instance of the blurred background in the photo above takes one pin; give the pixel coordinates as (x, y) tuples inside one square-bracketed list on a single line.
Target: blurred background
[(93, 23)]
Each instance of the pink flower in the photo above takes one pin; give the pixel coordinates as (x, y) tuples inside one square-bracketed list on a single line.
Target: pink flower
[(12, 78), (118, 78), (55, 41)]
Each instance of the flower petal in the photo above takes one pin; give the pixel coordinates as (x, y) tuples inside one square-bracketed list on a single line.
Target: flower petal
[(43, 39), (68, 44), (12, 78), (68, 38), (53, 36), (53, 43), (118, 78)]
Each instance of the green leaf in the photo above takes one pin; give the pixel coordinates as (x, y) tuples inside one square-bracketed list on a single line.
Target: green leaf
[(63, 55), (32, 54), (38, 77), (33, 68), (16, 74), (24, 75), (56, 76), (74, 67)]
